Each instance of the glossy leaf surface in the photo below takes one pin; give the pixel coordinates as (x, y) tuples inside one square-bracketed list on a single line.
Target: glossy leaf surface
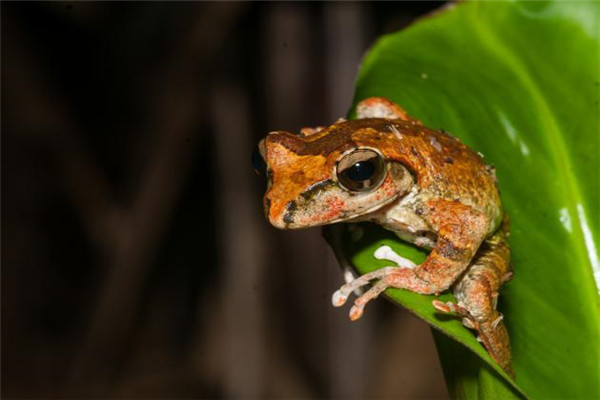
[(518, 82)]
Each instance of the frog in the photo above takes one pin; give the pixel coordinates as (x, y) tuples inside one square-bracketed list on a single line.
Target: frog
[(423, 184)]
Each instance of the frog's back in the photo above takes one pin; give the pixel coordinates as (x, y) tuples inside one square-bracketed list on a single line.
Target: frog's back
[(443, 166)]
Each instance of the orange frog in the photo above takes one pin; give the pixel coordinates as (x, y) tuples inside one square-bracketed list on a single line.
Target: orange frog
[(422, 184)]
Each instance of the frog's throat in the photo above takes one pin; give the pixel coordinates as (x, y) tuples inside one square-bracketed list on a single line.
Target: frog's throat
[(364, 215), (369, 214)]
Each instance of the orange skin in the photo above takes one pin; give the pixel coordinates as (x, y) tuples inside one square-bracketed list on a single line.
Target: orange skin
[(434, 191)]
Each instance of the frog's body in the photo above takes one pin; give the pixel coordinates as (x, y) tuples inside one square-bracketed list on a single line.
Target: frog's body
[(423, 184)]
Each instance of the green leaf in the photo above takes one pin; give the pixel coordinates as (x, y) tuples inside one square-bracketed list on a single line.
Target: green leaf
[(518, 82), (359, 242)]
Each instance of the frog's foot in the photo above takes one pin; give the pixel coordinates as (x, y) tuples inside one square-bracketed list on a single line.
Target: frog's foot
[(450, 307), (468, 321), (491, 332), (340, 297), (386, 278)]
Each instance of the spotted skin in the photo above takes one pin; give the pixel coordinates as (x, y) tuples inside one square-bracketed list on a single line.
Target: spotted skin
[(477, 294), (434, 191)]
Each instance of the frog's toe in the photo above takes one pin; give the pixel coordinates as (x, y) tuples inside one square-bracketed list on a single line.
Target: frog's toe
[(497, 321), (469, 323), (359, 304), (338, 298), (387, 253), (356, 312), (450, 307), (447, 307)]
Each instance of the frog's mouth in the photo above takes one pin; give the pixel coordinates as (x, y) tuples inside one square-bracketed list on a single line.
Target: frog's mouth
[(329, 211)]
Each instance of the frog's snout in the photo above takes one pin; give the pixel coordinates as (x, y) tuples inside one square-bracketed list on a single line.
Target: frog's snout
[(280, 215)]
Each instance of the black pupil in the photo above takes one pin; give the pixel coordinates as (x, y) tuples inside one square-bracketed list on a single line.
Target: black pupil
[(360, 171), (258, 162)]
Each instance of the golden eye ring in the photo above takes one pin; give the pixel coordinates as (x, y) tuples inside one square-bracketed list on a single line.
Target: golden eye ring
[(361, 170)]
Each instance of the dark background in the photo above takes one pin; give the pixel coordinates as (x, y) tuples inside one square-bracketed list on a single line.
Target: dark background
[(136, 261)]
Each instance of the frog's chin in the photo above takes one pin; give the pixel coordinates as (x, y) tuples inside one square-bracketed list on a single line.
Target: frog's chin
[(369, 213)]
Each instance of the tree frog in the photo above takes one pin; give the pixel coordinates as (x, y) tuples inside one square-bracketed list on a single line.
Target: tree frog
[(423, 184)]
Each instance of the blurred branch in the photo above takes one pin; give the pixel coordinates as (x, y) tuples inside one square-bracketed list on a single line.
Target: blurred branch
[(127, 236), (46, 121), (122, 312), (176, 118)]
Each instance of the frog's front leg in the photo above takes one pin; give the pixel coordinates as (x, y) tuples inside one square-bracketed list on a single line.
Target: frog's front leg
[(340, 297), (477, 293), (461, 229)]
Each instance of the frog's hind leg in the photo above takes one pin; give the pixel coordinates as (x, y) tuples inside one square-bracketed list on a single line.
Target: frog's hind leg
[(477, 293)]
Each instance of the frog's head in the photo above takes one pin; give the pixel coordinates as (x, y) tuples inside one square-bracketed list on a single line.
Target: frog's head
[(333, 174)]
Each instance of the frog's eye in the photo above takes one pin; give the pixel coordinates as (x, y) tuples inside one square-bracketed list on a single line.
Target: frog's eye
[(258, 159), (361, 171)]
